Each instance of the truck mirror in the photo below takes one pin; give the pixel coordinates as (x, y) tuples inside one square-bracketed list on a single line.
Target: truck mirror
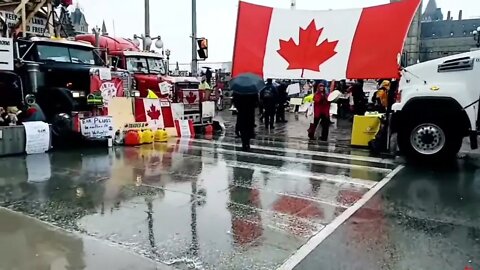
[(115, 61)]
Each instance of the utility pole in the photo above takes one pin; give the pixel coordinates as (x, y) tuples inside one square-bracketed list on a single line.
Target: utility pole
[(194, 38), (147, 18)]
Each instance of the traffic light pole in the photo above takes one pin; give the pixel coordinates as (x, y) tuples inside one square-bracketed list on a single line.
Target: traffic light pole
[(147, 18), (194, 38)]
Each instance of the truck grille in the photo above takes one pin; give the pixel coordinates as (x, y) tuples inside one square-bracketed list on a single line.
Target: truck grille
[(125, 77), (459, 64)]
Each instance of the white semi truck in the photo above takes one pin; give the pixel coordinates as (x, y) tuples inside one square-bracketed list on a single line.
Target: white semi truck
[(437, 106)]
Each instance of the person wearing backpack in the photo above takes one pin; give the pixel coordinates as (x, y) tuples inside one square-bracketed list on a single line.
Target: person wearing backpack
[(268, 97)]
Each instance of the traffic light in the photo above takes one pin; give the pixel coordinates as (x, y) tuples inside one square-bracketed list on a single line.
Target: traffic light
[(202, 48)]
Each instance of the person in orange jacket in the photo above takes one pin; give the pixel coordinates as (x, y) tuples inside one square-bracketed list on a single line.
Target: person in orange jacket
[(382, 96)]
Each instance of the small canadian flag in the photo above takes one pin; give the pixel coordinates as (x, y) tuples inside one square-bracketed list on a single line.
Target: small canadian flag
[(360, 43), (151, 111)]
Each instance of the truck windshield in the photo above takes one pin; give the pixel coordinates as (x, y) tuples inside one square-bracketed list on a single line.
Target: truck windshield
[(66, 54), (147, 65), (156, 65), (137, 64)]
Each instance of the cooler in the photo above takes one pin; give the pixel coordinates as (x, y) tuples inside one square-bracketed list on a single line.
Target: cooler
[(364, 129)]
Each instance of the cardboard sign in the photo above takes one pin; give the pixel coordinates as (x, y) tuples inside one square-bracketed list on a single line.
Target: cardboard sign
[(165, 88), (37, 137), (97, 127)]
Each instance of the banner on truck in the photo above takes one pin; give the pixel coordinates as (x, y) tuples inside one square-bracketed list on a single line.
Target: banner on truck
[(6, 54), (35, 26)]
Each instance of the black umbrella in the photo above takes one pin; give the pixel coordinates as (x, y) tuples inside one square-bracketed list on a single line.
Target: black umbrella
[(247, 84)]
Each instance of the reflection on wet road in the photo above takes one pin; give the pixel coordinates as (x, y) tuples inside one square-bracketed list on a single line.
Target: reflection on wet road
[(194, 203), (424, 219)]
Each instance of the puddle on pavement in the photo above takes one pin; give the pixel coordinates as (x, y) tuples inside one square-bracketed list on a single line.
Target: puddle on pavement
[(29, 244), (180, 205)]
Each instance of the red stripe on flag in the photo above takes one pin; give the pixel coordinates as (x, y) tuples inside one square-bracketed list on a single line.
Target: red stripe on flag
[(253, 24), (167, 117), (140, 115), (381, 31)]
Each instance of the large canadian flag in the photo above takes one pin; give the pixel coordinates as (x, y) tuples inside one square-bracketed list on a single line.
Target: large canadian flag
[(293, 44)]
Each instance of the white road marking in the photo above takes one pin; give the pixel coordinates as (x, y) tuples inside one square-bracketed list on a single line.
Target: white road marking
[(317, 239), (293, 159), (306, 152), (337, 179)]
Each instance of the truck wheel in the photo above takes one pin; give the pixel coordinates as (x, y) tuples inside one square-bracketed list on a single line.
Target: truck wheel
[(430, 139)]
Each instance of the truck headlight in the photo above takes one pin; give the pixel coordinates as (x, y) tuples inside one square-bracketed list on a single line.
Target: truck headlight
[(78, 94), (135, 93)]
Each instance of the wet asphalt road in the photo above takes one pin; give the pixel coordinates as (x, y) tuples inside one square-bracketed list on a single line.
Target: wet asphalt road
[(200, 204)]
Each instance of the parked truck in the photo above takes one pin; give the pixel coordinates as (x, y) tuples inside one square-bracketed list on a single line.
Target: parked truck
[(437, 107), (60, 75), (149, 72)]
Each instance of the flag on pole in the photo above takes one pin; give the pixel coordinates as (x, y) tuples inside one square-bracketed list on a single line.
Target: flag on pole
[(338, 44)]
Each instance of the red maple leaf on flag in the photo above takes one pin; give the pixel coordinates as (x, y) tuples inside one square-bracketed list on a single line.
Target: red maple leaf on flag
[(153, 113), (307, 54), (191, 98)]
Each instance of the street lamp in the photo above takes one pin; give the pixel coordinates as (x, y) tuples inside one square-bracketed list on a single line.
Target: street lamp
[(147, 41), (167, 53), (476, 36)]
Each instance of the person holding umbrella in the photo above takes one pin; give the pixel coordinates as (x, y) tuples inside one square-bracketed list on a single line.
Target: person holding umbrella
[(245, 89)]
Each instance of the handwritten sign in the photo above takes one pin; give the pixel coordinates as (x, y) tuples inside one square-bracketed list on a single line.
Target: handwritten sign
[(165, 88), (37, 137), (35, 26), (97, 127)]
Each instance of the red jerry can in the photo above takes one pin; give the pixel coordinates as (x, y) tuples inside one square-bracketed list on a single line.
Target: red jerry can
[(132, 138)]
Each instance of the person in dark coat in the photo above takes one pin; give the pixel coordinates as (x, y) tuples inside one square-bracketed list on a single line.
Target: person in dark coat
[(269, 100), (245, 105), (359, 101), (282, 100)]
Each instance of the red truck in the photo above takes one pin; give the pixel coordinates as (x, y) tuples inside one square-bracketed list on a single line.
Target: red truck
[(148, 68), (149, 71)]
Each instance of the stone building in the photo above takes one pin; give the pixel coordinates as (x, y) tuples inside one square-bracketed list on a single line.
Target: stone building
[(445, 36), (433, 35), (79, 22)]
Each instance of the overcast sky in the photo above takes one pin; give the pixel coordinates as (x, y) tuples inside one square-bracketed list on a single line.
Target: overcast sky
[(216, 19)]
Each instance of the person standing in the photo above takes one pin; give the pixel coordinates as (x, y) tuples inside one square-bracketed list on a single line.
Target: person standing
[(245, 125), (321, 112), (359, 101), (205, 88), (268, 97), (282, 100)]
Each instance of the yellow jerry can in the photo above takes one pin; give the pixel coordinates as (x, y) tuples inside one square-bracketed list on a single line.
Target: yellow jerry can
[(161, 135), (147, 136), (364, 129)]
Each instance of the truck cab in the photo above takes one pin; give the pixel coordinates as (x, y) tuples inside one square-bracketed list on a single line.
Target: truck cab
[(147, 68), (61, 74), (438, 106)]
